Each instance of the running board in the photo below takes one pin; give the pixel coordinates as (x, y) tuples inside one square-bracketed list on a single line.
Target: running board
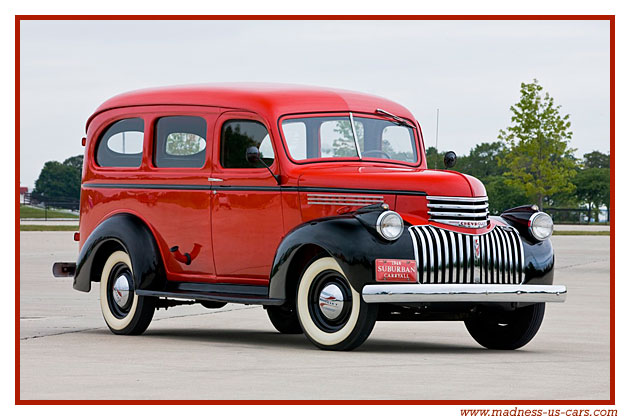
[(216, 293)]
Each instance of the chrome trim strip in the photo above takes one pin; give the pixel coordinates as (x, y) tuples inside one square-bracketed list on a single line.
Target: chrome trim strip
[(446, 272), (344, 197), (462, 223), (448, 198), (458, 206), (461, 261), (424, 273), (413, 293), (343, 203), (414, 241), (454, 214), (508, 267), (469, 260)]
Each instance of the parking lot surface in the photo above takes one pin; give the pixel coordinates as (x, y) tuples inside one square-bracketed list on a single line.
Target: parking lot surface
[(67, 352)]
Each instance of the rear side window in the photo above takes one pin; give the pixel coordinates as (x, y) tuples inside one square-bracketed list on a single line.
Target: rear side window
[(121, 144), (180, 142), (237, 136)]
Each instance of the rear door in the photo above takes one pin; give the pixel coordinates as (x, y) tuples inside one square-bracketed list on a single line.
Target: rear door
[(177, 201)]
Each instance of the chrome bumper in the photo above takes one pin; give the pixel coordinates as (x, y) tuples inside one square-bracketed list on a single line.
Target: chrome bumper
[(417, 293)]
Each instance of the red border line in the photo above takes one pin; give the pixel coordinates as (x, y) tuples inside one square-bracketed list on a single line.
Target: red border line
[(314, 17), (17, 209), (610, 18), (612, 209)]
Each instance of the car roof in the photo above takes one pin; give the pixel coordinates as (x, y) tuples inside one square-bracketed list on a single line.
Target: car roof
[(266, 99)]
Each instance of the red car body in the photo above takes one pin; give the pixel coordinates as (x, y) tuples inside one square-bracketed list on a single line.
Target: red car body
[(217, 232)]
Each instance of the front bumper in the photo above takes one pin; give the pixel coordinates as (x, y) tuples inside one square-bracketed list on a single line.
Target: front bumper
[(419, 293)]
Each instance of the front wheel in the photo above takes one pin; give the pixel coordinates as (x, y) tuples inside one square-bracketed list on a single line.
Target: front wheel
[(332, 314), (125, 312), (507, 330)]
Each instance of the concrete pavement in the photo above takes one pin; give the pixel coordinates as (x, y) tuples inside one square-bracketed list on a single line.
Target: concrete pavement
[(191, 352)]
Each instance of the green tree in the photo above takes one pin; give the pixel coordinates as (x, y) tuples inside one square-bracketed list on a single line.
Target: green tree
[(75, 162), (593, 188), (483, 161), (57, 180), (596, 159), (433, 156), (538, 157)]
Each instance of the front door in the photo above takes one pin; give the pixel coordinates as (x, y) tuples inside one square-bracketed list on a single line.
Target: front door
[(246, 201)]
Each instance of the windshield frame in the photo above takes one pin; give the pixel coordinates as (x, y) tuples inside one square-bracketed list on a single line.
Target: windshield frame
[(414, 128)]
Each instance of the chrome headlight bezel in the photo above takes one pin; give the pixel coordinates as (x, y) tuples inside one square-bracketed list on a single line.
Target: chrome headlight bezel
[(535, 227), (382, 229)]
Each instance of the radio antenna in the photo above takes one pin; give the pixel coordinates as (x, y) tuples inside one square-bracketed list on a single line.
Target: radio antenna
[(437, 128)]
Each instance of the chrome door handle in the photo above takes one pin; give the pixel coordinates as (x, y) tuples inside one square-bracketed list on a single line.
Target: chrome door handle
[(215, 180)]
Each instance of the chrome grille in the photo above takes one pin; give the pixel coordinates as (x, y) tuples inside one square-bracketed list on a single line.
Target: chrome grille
[(344, 200), (444, 256), (459, 211)]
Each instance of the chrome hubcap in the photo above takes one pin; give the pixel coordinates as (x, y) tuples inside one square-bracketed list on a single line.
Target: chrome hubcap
[(331, 301), (121, 291)]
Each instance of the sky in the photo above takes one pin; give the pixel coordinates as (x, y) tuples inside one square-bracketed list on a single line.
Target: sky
[(470, 70)]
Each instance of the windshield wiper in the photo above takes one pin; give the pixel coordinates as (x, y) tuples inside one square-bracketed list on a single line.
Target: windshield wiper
[(394, 117)]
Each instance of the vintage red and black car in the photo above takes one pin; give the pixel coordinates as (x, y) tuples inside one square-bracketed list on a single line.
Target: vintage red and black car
[(315, 203)]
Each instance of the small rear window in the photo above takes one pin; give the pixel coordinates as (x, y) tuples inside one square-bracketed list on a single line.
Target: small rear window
[(180, 142), (121, 144)]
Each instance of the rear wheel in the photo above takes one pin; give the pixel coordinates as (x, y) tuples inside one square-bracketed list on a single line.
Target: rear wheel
[(507, 330), (332, 314), (124, 312), (284, 319)]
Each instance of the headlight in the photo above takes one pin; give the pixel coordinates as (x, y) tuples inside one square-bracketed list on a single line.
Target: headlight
[(390, 225), (540, 226)]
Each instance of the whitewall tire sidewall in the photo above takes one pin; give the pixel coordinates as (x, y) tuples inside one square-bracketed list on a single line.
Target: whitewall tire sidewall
[(114, 323), (322, 337)]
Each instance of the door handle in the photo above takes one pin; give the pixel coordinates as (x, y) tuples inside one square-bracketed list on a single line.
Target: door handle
[(215, 180)]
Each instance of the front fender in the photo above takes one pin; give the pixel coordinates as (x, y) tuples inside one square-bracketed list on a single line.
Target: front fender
[(539, 255), (349, 239), (131, 234)]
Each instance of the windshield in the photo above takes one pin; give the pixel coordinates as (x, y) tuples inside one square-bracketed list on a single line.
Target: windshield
[(332, 137)]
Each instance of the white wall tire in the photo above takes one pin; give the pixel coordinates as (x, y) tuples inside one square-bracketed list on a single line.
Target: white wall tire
[(354, 321), (135, 315)]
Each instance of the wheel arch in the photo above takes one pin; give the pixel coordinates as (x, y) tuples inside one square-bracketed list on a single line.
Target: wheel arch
[(346, 239), (127, 232)]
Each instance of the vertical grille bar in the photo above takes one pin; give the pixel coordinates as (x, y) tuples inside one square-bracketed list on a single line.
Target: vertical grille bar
[(445, 257)]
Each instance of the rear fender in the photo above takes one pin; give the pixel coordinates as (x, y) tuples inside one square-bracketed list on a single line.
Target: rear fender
[(127, 232)]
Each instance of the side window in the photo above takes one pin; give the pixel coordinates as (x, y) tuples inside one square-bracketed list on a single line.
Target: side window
[(120, 145), (237, 136), (180, 142)]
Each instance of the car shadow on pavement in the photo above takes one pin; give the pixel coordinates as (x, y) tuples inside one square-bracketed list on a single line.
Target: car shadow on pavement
[(271, 339)]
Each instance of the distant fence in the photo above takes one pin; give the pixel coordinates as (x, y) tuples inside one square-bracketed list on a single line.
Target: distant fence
[(578, 216), (48, 203)]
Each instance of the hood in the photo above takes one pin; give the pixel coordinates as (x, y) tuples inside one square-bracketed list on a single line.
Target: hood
[(393, 178)]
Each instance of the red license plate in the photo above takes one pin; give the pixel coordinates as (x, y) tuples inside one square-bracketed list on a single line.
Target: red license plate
[(404, 271)]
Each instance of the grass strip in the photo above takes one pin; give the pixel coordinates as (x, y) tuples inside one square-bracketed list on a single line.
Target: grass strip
[(30, 212), (581, 233), (43, 228)]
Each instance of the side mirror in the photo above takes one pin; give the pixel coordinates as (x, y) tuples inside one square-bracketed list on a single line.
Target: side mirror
[(449, 159), (252, 154)]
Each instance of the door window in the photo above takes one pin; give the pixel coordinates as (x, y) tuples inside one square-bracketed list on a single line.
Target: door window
[(237, 136)]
